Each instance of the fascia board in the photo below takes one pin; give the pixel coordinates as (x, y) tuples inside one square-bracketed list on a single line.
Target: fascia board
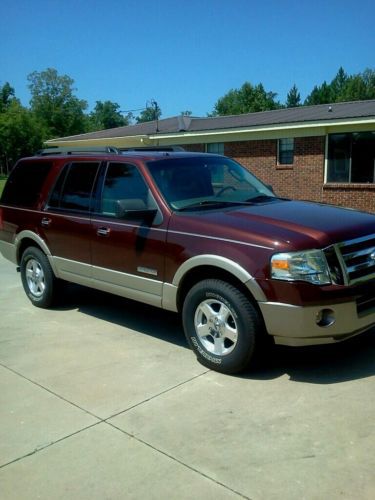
[(322, 125), (129, 140)]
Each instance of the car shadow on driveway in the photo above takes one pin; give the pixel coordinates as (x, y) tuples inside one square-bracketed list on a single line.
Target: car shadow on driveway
[(146, 320), (327, 364)]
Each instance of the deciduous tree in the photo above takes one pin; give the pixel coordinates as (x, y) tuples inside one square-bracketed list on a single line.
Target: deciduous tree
[(247, 99), (149, 114), (107, 115), (7, 96), (20, 135), (54, 103)]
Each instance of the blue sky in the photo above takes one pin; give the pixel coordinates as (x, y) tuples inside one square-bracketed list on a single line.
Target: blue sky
[(183, 54)]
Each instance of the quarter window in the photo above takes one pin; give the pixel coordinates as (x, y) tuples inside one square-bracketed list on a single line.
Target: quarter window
[(285, 151), (25, 184)]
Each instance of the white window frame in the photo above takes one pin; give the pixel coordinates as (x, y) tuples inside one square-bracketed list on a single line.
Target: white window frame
[(291, 140), (215, 148)]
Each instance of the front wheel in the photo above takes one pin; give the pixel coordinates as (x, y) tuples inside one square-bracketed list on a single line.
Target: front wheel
[(37, 277), (221, 326)]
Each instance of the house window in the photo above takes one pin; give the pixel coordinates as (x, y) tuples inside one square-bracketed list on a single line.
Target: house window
[(216, 148), (285, 151), (351, 158)]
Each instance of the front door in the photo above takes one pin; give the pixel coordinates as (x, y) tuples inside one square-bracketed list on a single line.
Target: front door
[(128, 237)]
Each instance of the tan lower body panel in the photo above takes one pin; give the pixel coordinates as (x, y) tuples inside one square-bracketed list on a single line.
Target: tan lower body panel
[(298, 326)]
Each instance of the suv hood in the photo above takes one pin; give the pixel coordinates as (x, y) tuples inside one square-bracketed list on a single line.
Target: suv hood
[(280, 224)]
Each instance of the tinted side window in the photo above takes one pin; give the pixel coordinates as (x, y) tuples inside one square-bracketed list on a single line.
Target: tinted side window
[(74, 187), (25, 183), (54, 200), (123, 187)]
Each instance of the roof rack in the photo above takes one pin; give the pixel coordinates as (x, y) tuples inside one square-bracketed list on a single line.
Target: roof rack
[(154, 148), (59, 150)]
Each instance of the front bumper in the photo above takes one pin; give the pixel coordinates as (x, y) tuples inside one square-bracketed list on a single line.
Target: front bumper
[(298, 326)]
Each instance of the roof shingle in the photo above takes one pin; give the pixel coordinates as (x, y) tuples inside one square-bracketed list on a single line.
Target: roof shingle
[(301, 114)]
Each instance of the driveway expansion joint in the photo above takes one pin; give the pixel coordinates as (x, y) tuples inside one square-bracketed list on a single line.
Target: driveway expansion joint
[(171, 457), (170, 389), (49, 390)]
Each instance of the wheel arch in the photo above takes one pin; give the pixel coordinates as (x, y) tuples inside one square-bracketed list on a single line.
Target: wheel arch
[(215, 267), (26, 239)]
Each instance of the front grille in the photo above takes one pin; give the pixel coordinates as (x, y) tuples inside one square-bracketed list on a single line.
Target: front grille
[(365, 305), (357, 259)]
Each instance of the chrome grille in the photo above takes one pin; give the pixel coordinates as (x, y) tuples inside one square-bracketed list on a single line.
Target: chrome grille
[(365, 304), (357, 258)]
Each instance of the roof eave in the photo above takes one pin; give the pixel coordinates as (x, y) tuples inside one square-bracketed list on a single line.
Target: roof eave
[(130, 140), (266, 128)]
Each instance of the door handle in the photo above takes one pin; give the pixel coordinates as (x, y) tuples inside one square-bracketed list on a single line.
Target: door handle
[(103, 231), (45, 222)]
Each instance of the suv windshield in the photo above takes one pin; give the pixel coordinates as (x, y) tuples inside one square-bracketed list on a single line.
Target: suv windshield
[(206, 182)]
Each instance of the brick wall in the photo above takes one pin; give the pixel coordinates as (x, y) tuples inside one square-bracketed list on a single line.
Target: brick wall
[(358, 196), (198, 148), (304, 180)]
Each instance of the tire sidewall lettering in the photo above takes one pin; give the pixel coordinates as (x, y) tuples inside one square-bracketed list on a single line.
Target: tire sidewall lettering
[(243, 313), (203, 353)]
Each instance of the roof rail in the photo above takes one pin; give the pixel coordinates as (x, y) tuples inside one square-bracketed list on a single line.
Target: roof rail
[(64, 150), (154, 148)]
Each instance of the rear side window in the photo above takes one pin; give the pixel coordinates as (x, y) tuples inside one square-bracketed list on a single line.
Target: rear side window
[(25, 183), (73, 189)]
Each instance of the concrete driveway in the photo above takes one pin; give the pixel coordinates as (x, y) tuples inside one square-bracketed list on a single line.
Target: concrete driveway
[(101, 399)]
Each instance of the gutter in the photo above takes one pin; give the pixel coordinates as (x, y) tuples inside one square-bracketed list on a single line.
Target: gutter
[(267, 128), (129, 140)]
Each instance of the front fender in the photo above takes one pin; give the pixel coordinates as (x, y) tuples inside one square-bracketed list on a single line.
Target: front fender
[(170, 290)]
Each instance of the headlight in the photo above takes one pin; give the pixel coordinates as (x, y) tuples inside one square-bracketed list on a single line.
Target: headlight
[(310, 266)]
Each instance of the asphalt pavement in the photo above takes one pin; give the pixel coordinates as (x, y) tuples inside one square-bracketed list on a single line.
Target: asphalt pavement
[(100, 398)]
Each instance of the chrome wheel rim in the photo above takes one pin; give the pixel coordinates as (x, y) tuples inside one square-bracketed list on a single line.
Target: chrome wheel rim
[(35, 278), (216, 328)]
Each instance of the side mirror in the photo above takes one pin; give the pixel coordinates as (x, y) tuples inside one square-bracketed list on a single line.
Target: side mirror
[(134, 209)]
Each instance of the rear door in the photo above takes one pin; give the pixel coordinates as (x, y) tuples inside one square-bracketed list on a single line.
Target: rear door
[(65, 225)]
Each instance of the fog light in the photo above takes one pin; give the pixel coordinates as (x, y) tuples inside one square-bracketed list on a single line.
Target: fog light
[(325, 317)]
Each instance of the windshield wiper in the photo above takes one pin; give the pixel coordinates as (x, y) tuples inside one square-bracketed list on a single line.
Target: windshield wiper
[(262, 197), (211, 203), (222, 203)]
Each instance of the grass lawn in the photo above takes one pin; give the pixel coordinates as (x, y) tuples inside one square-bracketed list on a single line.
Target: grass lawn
[(2, 183)]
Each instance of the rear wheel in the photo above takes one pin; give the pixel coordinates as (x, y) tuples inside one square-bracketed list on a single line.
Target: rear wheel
[(221, 326), (37, 277)]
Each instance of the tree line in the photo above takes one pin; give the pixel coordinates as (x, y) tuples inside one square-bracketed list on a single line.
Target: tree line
[(252, 98), (56, 111)]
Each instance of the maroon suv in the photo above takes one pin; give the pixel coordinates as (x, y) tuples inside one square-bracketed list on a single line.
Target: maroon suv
[(194, 233)]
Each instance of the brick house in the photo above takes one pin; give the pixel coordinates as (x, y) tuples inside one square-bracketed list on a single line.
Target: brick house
[(324, 153)]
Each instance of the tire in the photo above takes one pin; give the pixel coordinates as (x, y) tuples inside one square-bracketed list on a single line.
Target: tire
[(221, 326), (37, 277)]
